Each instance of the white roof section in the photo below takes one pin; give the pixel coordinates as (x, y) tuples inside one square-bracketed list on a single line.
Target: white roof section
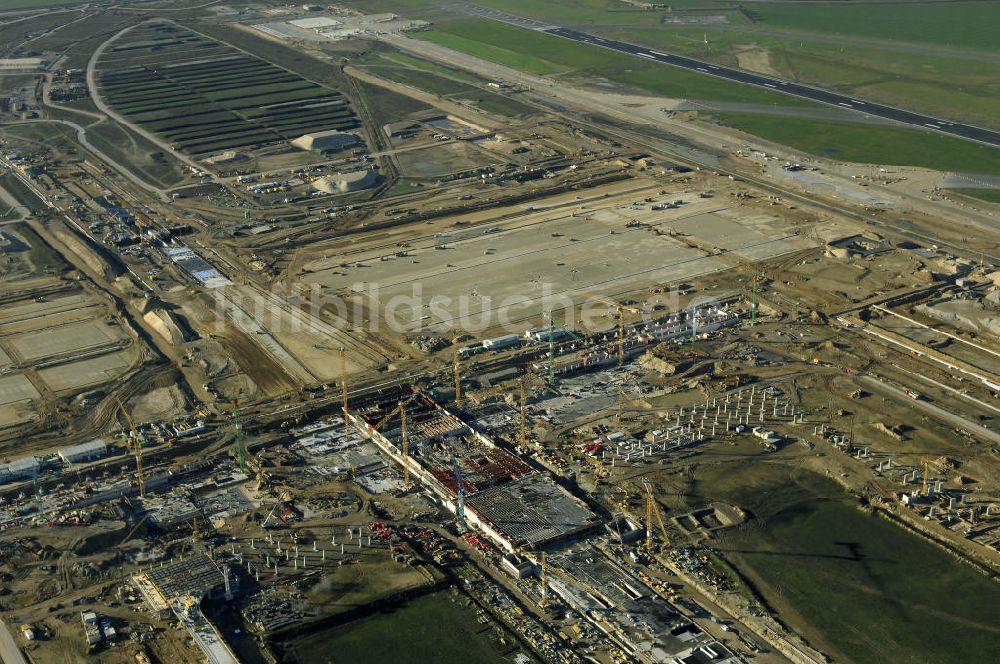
[(96, 446), (315, 22)]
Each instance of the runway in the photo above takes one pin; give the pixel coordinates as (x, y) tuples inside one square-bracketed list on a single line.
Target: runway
[(964, 131)]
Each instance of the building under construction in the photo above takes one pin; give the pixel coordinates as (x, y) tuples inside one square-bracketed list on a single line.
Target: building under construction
[(485, 485)]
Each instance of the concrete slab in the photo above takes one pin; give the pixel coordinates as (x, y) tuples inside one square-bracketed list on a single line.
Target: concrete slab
[(468, 283), (70, 338), (93, 371), (16, 387)]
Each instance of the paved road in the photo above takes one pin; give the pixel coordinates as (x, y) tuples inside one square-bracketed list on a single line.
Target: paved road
[(967, 132), (935, 411), (9, 652)]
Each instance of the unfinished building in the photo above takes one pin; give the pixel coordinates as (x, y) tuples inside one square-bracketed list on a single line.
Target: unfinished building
[(507, 499)]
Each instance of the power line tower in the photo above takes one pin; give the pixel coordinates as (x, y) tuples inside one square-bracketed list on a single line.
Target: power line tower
[(240, 449)]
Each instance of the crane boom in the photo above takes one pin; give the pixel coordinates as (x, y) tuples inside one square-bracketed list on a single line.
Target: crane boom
[(343, 388), (405, 444), (523, 436), (459, 493), (240, 450), (136, 447), (457, 370), (652, 510)]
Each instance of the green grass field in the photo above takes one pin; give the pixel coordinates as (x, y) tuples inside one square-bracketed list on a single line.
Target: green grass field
[(426, 65), (871, 144), (867, 590), (9, 5), (971, 25), (435, 83), (988, 195), (936, 84), (536, 53), (436, 628)]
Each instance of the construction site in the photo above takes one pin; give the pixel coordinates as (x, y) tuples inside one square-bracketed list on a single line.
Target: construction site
[(330, 359)]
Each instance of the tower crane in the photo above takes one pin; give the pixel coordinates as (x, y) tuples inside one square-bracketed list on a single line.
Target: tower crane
[(755, 281), (343, 388), (621, 309), (457, 370), (405, 445), (136, 447), (523, 435), (240, 450), (405, 441), (653, 510), (459, 493)]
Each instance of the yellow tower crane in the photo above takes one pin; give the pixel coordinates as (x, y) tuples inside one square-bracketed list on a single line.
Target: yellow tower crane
[(405, 444), (458, 376), (621, 335), (343, 388), (652, 510), (405, 441), (136, 448)]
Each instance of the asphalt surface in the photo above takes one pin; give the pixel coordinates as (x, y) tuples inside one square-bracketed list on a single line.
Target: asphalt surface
[(9, 652), (967, 132)]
